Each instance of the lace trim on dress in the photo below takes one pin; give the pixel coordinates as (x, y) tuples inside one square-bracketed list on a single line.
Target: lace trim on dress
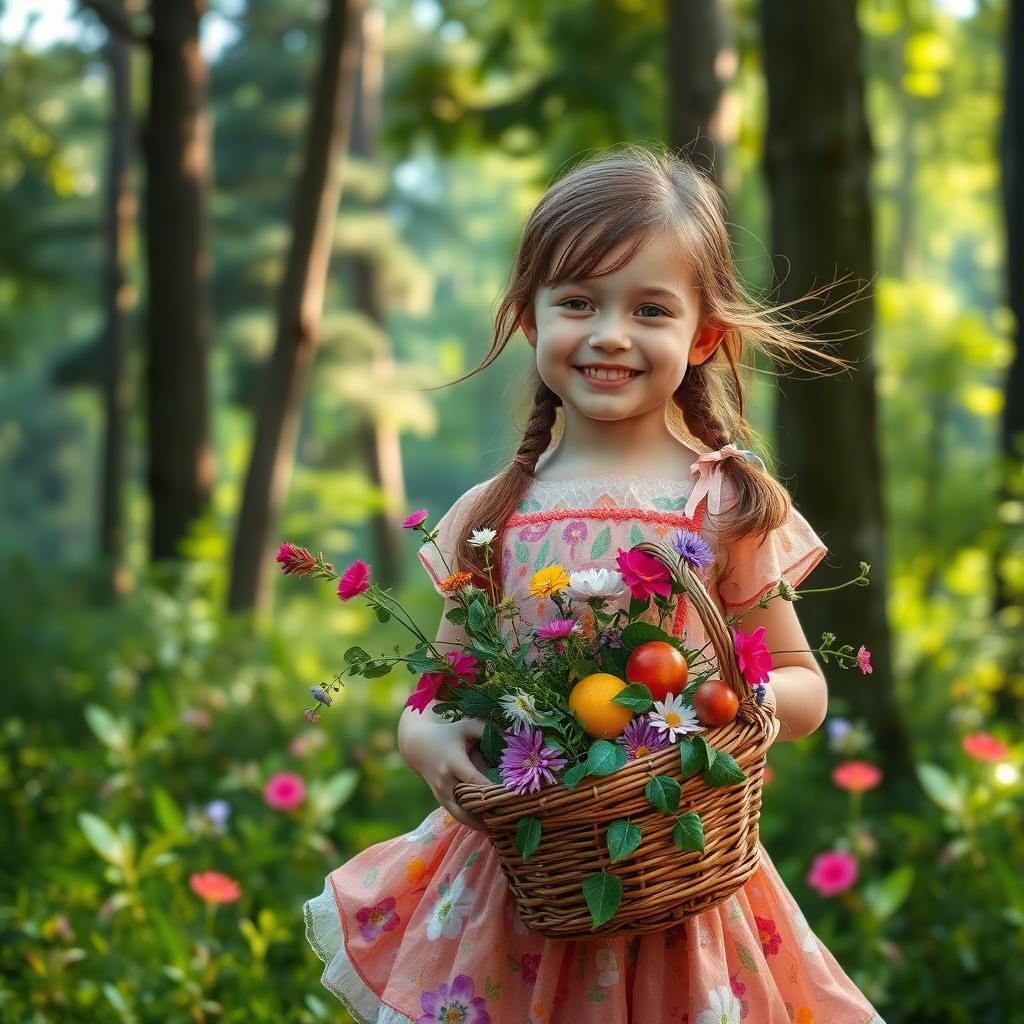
[(624, 491)]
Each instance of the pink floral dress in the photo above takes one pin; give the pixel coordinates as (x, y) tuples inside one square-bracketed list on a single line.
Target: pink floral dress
[(424, 928)]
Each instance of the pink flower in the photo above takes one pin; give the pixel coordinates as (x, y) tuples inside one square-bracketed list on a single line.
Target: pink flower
[(284, 790), (463, 664), (355, 580), (644, 574), (295, 559), (856, 776), (426, 690), (558, 629), (412, 521), (833, 872), (214, 887), (528, 963), (752, 655), (984, 747), (377, 919), (864, 660), (769, 934)]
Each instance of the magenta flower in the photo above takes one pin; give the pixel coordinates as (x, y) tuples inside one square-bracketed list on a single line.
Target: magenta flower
[(284, 790), (355, 580), (558, 629), (377, 919), (644, 574), (295, 559), (463, 665), (454, 1002), (984, 747), (641, 738), (864, 660), (525, 761), (414, 519), (833, 872), (426, 690), (214, 887), (752, 655)]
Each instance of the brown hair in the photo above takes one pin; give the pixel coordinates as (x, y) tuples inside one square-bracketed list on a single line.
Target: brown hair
[(596, 206)]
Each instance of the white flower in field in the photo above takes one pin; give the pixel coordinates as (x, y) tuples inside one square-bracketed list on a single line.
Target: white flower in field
[(590, 583), (480, 538), (674, 717), (521, 709)]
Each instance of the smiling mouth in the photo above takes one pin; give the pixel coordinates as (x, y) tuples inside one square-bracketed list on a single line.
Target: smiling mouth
[(596, 373)]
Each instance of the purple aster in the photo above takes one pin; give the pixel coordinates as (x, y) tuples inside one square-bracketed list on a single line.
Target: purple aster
[(693, 549), (641, 738), (454, 1001), (558, 629), (610, 638), (525, 761)]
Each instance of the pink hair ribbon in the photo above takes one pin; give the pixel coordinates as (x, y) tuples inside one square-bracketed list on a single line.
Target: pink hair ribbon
[(708, 470)]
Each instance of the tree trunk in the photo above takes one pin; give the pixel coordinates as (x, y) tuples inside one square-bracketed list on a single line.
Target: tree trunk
[(701, 64), (299, 310), (817, 161), (118, 214), (379, 442), (181, 466)]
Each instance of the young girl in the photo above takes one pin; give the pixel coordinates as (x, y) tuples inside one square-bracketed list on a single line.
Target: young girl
[(624, 288)]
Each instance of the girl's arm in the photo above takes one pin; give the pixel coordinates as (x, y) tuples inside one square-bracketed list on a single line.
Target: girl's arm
[(439, 751), (796, 684)]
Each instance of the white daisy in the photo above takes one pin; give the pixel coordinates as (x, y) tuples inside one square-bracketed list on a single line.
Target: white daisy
[(723, 1007), (590, 583), (521, 709), (481, 537), (449, 914), (674, 717)]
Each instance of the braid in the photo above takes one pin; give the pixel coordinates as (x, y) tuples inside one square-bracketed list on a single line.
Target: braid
[(699, 414), (537, 435)]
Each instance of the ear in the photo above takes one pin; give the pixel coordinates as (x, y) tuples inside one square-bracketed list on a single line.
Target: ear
[(708, 339), (528, 325)]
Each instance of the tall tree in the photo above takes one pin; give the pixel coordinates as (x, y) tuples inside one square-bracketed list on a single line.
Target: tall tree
[(300, 307), (817, 162)]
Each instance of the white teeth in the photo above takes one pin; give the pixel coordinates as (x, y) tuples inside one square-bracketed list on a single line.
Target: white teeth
[(602, 374)]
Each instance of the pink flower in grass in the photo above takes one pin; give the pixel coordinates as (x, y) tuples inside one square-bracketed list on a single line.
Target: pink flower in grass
[(558, 629), (214, 887), (856, 776), (833, 872), (644, 574), (752, 655), (864, 660), (284, 790), (354, 580), (414, 519), (984, 747), (377, 919), (295, 559)]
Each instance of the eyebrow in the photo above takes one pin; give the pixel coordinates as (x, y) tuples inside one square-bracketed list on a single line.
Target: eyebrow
[(653, 290)]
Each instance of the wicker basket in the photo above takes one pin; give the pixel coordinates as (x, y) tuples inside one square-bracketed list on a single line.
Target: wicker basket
[(661, 885)]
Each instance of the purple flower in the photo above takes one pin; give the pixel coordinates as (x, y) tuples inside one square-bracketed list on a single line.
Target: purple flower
[(321, 694), (558, 629), (610, 638), (455, 1002), (641, 738), (693, 549), (525, 762)]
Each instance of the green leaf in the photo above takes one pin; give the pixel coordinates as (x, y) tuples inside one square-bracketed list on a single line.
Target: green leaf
[(583, 668), (603, 893), (723, 771), (573, 775), (542, 554), (492, 743), (635, 696), (382, 613), (637, 633), (605, 757), (457, 616), (330, 794), (475, 703), (167, 811), (884, 898), (688, 833), (421, 660), (746, 957), (623, 838), (664, 792), (377, 668), (528, 833), (941, 788), (110, 731), (522, 553), (494, 774), (104, 840), (479, 616), (692, 758), (636, 535), (602, 542)]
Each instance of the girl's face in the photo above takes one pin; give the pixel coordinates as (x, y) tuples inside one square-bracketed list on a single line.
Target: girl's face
[(617, 346)]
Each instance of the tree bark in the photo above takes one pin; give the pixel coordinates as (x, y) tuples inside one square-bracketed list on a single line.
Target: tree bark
[(299, 310), (181, 466), (817, 161), (118, 215)]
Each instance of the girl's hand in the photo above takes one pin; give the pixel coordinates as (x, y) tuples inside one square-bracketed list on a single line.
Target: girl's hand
[(443, 753)]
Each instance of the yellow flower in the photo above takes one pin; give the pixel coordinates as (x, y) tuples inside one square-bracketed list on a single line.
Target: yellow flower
[(548, 581)]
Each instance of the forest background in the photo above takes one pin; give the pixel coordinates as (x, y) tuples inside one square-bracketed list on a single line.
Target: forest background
[(244, 244)]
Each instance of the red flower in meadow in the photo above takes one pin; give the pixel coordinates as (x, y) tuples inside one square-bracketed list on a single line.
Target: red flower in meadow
[(284, 790), (295, 559), (414, 519), (354, 580), (833, 872), (982, 746), (214, 887), (856, 775), (644, 574), (752, 655)]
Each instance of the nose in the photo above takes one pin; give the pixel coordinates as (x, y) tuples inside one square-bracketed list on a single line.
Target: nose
[(609, 334)]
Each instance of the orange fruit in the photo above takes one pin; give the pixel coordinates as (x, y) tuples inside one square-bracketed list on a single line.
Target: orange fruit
[(591, 701), (715, 702), (660, 667)]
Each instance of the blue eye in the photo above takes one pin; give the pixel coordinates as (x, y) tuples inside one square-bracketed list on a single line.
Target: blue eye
[(658, 311), (575, 309)]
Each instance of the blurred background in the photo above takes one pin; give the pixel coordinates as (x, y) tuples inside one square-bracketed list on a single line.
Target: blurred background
[(241, 242)]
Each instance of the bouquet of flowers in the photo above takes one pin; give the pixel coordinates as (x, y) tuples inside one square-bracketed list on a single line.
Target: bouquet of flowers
[(586, 694)]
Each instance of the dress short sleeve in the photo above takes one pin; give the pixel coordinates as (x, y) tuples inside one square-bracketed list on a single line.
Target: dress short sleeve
[(752, 566), (449, 527)]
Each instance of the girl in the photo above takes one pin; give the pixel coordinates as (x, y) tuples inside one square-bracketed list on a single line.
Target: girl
[(624, 288)]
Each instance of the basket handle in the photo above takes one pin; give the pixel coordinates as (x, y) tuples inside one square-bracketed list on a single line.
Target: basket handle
[(707, 611)]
